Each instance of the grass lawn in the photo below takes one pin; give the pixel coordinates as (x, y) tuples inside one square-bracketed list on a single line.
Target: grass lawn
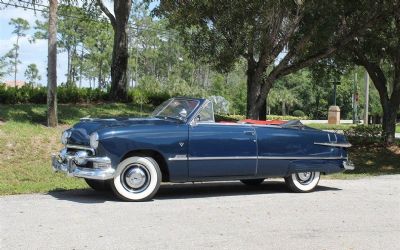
[(370, 161), (26, 145)]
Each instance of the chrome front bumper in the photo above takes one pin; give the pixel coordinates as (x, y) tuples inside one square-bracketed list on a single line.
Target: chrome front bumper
[(102, 169), (348, 165)]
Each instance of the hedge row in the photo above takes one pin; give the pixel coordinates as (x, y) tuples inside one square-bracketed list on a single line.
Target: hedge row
[(235, 118), (27, 94)]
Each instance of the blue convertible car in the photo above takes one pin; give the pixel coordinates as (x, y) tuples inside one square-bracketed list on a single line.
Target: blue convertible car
[(181, 142)]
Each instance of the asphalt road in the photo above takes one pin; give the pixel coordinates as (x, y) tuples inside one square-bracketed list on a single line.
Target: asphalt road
[(341, 214)]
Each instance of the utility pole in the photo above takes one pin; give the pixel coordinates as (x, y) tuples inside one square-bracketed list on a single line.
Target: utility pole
[(366, 98), (355, 99)]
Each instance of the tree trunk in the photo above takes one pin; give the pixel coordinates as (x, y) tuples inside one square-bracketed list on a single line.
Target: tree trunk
[(120, 55), (52, 120), (390, 103), (252, 93), (100, 83), (389, 123), (253, 89), (69, 63), (283, 108), (262, 114), (256, 109), (16, 63)]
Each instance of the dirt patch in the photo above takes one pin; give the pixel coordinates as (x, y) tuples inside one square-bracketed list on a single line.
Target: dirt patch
[(394, 149)]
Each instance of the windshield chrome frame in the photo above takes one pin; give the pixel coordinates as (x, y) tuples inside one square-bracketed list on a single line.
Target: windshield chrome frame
[(195, 110)]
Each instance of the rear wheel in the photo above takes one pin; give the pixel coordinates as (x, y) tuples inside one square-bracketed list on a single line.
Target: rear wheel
[(98, 185), (303, 182), (252, 182), (138, 179)]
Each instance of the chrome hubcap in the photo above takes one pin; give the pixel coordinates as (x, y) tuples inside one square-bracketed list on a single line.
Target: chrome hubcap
[(135, 178), (305, 178)]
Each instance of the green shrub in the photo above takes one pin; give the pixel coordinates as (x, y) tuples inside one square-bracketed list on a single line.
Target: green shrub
[(298, 113), (137, 96), (362, 135), (27, 94)]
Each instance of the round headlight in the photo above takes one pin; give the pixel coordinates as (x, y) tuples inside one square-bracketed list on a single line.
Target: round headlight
[(64, 137), (94, 140)]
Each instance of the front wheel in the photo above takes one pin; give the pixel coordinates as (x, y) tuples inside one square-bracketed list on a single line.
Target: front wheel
[(303, 182), (137, 179)]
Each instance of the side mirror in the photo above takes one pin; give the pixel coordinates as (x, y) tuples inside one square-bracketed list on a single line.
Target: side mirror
[(183, 113)]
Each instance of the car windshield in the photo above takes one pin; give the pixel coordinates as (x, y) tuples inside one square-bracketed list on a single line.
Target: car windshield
[(176, 109)]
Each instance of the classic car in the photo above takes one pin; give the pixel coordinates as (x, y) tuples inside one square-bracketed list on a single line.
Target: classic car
[(181, 142)]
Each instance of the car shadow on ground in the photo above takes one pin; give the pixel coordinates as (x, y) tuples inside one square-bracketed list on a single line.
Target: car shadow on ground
[(169, 191)]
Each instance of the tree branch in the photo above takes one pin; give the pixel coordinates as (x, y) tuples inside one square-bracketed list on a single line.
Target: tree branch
[(107, 13), (284, 69)]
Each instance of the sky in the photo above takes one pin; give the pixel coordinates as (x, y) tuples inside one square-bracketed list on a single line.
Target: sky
[(34, 52), (29, 52)]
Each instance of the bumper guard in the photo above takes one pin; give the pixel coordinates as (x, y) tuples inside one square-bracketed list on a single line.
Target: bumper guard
[(102, 169)]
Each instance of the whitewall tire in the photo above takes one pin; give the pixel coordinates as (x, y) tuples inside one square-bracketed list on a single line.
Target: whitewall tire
[(137, 179), (303, 182)]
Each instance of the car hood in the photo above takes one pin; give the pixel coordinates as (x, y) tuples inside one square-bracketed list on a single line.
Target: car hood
[(81, 131)]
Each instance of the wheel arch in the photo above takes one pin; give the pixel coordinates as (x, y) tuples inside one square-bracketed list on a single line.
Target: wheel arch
[(157, 156)]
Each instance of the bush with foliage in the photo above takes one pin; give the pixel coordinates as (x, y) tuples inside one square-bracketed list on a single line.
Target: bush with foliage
[(24, 94), (27, 94), (363, 135), (299, 113)]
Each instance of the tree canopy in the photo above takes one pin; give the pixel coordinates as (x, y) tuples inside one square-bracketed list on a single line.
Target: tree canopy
[(275, 37)]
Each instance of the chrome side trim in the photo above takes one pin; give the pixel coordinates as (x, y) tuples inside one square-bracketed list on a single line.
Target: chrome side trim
[(301, 158), (334, 144), (223, 158), (255, 158), (178, 158), (80, 147)]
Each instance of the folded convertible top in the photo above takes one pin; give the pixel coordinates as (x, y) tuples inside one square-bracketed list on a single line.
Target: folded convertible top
[(267, 122)]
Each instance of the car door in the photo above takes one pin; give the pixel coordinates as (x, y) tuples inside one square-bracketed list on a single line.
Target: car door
[(218, 150)]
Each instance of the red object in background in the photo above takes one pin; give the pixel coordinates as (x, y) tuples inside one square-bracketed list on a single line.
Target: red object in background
[(267, 122)]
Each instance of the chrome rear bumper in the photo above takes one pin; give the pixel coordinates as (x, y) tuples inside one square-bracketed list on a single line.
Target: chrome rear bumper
[(348, 165), (102, 169)]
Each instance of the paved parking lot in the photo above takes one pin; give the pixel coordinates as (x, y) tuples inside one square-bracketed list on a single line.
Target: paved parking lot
[(341, 214)]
